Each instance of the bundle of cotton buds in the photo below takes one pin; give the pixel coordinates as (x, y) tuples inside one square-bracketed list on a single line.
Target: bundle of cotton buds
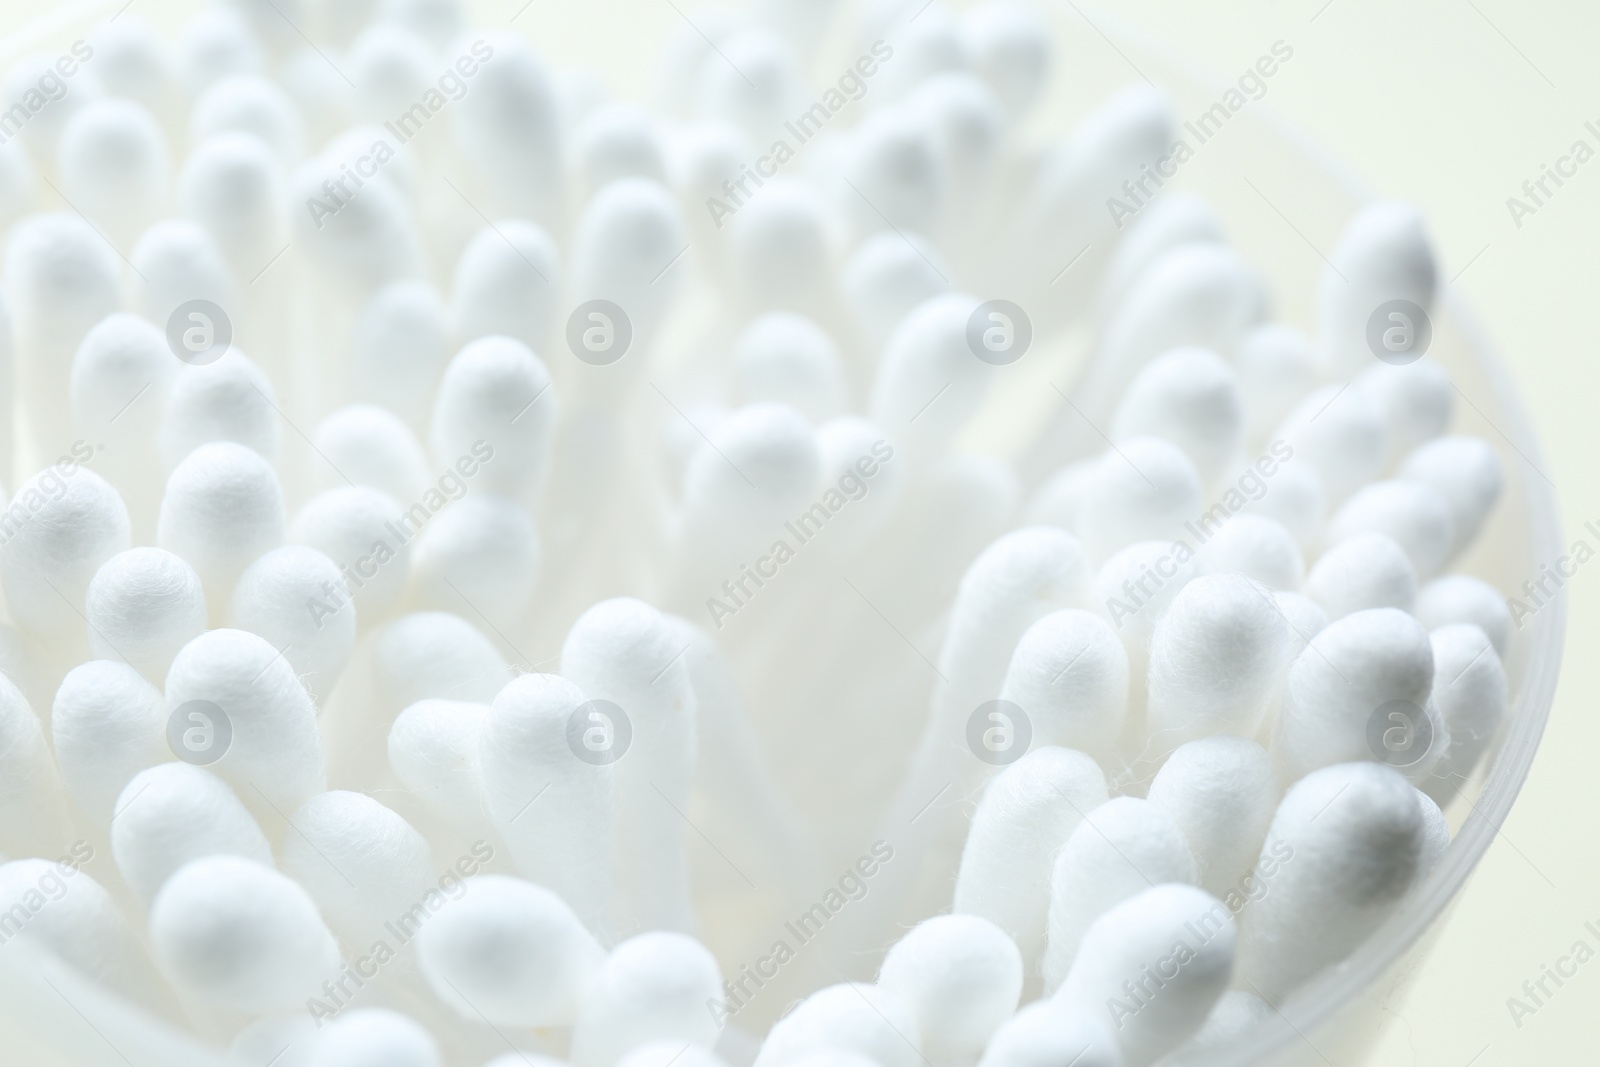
[(499, 574)]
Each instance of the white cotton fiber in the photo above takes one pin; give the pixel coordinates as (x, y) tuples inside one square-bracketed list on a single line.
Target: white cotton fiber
[(427, 654), (363, 864), (107, 724), (1175, 219), (1134, 588), (787, 358), (371, 445), (176, 261), (1341, 433), (1467, 472), (850, 1017), (295, 597), (70, 914), (1221, 791), (73, 521), (1275, 369), (1414, 514), (1119, 849), (478, 557), (223, 507), (362, 530), (1188, 396), (374, 1037), (33, 815), (231, 933), (1010, 47), (398, 349), (248, 103), (507, 281), (1145, 489), (508, 952), (1215, 660), (173, 813), (1472, 695), (144, 604), (1363, 571), (1417, 400), (229, 399), (433, 747), (652, 987), (886, 276), (1384, 254), (1348, 840), (114, 166), (1256, 547), (495, 409), (1026, 814), (1069, 673), (1463, 598), (961, 976)]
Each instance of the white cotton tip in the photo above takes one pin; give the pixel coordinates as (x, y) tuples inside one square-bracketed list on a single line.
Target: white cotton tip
[(374, 1037), (216, 43), (1059, 501), (928, 382), (363, 864), (1017, 580), (365, 533), (63, 523), (479, 555), (230, 399), (923, 49), (1275, 368), (395, 166), (496, 405), (19, 186), (1467, 471), (1342, 434), (398, 349), (1295, 499), (1200, 293), (433, 748), (235, 934), (967, 122), (250, 104), (43, 87), (509, 952), (114, 165), (370, 445), (353, 220), (1363, 571), (1048, 1034), (1417, 401), (1348, 840), (1216, 659), (1118, 850), (173, 813), (295, 597), (787, 358), (343, 20), (427, 654), (1384, 254), (1336, 705), (133, 61), (1472, 695), (508, 127), (1135, 587), (274, 751), (1069, 674), (1463, 598), (325, 100), (653, 987), (852, 1017), (437, 21), (1190, 397), (121, 376), (617, 141), (506, 282), (176, 261), (564, 841), (701, 156), (756, 83), (628, 250), (887, 276), (392, 68), (781, 248), (61, 279), (1435, 835), (234, 186), (1143, 490), (962, 977), (108, 724), (900, 179), (68, 913), (1256, 547), (759, 469), (1009, 46), (626, 652), (1305, 617), (33, 815), (222, 508), (1174, 219), (1166, 928), (1026, 814), (1221, 791), (857, 462), (1413, 514)]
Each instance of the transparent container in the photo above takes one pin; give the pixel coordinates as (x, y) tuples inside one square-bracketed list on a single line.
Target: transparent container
[(1282, 197)]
